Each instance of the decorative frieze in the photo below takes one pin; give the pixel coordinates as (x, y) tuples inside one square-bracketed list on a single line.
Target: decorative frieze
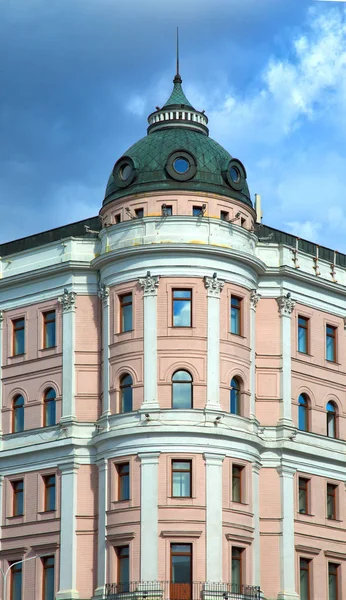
[(285, 304), (103, 292), (68, 300), (254, 299), (150, 283), (213, 286)]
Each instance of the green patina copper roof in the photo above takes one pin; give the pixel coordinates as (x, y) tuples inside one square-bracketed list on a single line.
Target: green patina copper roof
[(177, 96), (150, 156)]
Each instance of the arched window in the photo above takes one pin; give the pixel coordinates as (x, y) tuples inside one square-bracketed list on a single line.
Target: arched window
[(182, 390), (235, 408), (18, 414), (303, 412), (126, 393), (332, 415), (49, 401)]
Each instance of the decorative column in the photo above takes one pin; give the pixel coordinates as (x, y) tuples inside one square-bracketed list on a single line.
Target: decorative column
[(286, 306), (214, 288), (102, 524), (68, 538), (256, 546), (149, 515), (150, 284), (287, 549), (213, 500), (104, 295), (68, 304), (1, 344), (254, 299)]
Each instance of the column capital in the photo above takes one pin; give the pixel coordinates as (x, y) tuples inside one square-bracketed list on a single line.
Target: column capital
[(285, 305), (68, 468), (286, 470), (254, 299), (256, 468), (213, 286), (1, 317), (149, 283), (102, 464), (148, 458), (213, 459), (103, 293), (68, 300)]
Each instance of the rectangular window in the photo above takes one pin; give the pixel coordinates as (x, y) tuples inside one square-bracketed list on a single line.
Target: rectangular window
[(18, 497), (117, 219), (331, 501), (242, 222), (224, 215), (237, 476), (304, 570), (125, 313), (167, 210), (181, 478), (237, 569), (18, 336), (182, 308), (304, 495), (123, 471), (303, 335), (139, 212), (197, 211), (333, 581), (123, 568), (49, 329), (49, 492), (331, 343), (48, 578), (16, 582), (235, 315), (181, 571)]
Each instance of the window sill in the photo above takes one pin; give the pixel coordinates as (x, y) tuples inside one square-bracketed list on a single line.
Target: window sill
[(48, 348), (305, 514), (333, 520), (17, 355), (181, 497), (117, 502), (47, 512), (13, 517)]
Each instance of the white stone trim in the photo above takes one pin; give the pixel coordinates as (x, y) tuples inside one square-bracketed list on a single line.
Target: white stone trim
[(68, 304), (254, 299), (287, 547), (150, 284), (68, 538), (102, 526), (104, 295), (2, 318), (214, 288), (213, 465), (149, 515), (286, 306), (256, 547)]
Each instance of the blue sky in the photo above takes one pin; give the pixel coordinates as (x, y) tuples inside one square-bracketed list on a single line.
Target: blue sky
[(78, 79)]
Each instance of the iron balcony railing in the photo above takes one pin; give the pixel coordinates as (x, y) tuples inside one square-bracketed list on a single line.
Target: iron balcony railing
[(169, 590)]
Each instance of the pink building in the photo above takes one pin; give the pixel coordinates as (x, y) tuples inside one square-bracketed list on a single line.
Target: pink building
[(173, 377)]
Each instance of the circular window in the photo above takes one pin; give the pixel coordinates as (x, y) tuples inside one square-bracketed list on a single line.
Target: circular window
[(181, 165), (235, 174), (124, 171)]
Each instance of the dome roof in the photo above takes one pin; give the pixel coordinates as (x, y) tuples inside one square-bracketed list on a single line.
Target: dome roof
[(177, 154)]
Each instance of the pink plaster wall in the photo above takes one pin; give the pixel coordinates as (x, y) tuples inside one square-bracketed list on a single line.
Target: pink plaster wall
[(87, 358)]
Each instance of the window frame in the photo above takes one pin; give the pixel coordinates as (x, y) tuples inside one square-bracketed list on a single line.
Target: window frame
[(14, 409), (16, 568), (224, 215), (118, 550), (308, 570), (45, 323), (182, 382), (173, 470), (46, 402), (140, 209), (239, 309), (306, 329), (123, 387), (175, 553), (45, 568), (331, 492), (238, 395), (240, 560), (240, 479), (196, 208), (15, 330), (190, 300), (335, 418), (306, 488), (337, 578), (332, 336), (120, 477), (16, 493), (123, 304), (306, 407), (47, 487)]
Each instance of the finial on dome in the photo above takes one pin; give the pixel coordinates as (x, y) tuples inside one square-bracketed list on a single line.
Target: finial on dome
[(177, 78)]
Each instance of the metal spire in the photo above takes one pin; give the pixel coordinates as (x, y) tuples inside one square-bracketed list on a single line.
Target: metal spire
[(177, 78)]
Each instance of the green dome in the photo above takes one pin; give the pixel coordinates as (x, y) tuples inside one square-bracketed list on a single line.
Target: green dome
[(177, 154)]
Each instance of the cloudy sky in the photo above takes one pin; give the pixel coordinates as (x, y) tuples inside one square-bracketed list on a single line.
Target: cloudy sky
[(79, 77)]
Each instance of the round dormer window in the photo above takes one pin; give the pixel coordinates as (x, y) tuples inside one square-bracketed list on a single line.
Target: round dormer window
[(124, 171), (181, 165), (235, 174)]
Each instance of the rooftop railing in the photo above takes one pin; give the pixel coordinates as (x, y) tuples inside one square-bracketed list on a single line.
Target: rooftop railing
[(168, 590)]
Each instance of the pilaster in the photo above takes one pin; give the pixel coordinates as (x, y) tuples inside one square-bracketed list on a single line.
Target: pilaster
[(149, 515), (286, 306), (213, 465), (68, 305), (256, 546), (102, 523), (214, 288), (150, 284), (1, 357), (104, 295), (254, 299), (68, 538), (287, 547)]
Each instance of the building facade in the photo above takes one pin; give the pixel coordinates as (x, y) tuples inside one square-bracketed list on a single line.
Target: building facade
[(173, 378)]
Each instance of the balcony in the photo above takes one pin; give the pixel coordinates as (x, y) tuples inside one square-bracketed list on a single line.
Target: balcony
[(167, 590)]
